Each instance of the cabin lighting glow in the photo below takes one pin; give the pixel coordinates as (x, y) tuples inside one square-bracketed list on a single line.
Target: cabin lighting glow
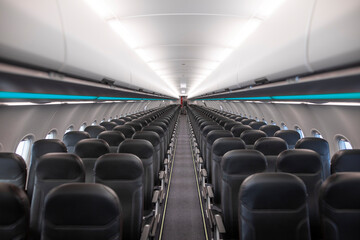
[(182, 85)]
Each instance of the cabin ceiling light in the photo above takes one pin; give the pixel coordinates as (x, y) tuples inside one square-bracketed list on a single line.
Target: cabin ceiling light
[(182, 85)]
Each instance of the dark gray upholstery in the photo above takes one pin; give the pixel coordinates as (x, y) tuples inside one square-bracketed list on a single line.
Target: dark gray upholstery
[(269, 129), (229, 125), (14, 209), (239, 119), (247, 121), (94, 130), (238, 129), (113, 138), (82, 211), (271, 147), (340, 206), (71, 138), (118, 121), (166, 132), (123, 173), (251, 136), (290, 136), (319, 145), (13, 169), (273, 206), (204, 134), (108, 125), (346, 161), (236, 165), (126, 119), (127, 130), (136, 125), (256, 125), (161, 133)]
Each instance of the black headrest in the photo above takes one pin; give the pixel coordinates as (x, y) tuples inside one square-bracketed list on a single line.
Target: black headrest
[(91, 148), (152, 137), (113, 138), (342, 191), (247, 121), (270, 145), (127, 130), (269, 129), (115, 166), (72, 137), (43, 146), (346, 161), (207, 123), (224, 121), (60, 166), (108, 125), (140, 147), (277, 191), (299, 161), (238, 129), (94, 130), (225, 144), (136, 125), (290, 136), (160, 124), (78, 204), (143, 121), (210, 128), (243, 161), (319, 145), (12, 165), (14, 205), (215, 134), (156, 129), (239, 119), (250, 136), (126, 119), (229, 125), (118, 121), (256, 125)]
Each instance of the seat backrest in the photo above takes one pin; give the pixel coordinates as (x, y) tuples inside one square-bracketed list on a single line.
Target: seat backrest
[(82, 211), (306, 164), (236, 165), (346, 161), (136, 125), (123, 173), (13, 169), (127, 130), (71, 138), (113, 138), (257, 125), (53, 169), (238, 129), (219, 148), (239, 119), (108, 125), (340, 206), (269, 129), (126, 119), (251, 136), (204, 134), (94, 130), (247, 121), (290, 136), (144, 150), (15, 211), (319, 145), (89, 150), (39, 148), (273, 206), (161, 133), (230, 124), (118, 121), (271, 147)]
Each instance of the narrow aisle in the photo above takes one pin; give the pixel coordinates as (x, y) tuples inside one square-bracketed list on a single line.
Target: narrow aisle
[(183, 215)]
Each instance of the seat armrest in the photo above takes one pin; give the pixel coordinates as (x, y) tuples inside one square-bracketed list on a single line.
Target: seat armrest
[(155, 196), (146, 232), (209, 191), (203, 173)]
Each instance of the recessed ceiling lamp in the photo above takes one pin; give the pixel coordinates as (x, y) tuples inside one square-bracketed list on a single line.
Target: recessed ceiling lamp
[(182, 91), (182, 85)]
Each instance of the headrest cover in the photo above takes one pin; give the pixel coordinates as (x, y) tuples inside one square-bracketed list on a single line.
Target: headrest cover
[(136, 125), (342, 191), (319, 145), (43, 146), (270, 145), (239, 119), (225, 144), (118, 121), (290, 136), (346, 161), (247, 121), (250, 136), (78, 204), (60, 166), (72, 137), (243, 161), (119, 166), (238, 129), (206, 123), (215, 134), (160, 124), (91, 148), (156, 129), (299, 161), (113, 138), (94, 130), (14, 204), (229, 125), (152, 137), (140, 147), (256, 125), (210, 128), (269, 129), (273, 191), (12, 165), (126, 119), (127, 130), (108, 125)]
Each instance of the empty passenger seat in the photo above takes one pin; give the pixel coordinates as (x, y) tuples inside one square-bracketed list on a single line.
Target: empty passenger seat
[(95, 130), (346, 161), (269, 129), (238, 129), (271, 147), (113, 138), (136, 125), (247, 121), (127, 130), (82, 211), (108, 125), (257, 125), (13, 169), (71, 138), (290, 136), (251, 136), (118, 121)]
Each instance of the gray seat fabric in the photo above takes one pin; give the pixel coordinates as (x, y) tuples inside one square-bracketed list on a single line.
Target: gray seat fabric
[(127, 130), (269, 129), (239, 119), (161, 134), (290, 136), (126, 119), (257, 125), (82, 211), (94, 130), (229, 125), (247, 121), (236, 165), (319, 145), (306, 164), (71, 138), (200, 138), (238, 129), (14, 209), (13, 169), (271, 147), (166, 133), (53, 169), (346, 161), (136, 125), (123, 173), (108, 125), (89, 150), (219, 148), (113, 138), (204, 134), (144, 150), (273, 206), (251, 136), (340, 206), (39, 148), (118, 121)]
